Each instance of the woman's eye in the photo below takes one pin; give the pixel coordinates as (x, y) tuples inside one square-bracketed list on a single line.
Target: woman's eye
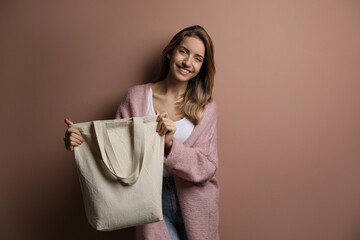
[(199, 59), (182, 51)]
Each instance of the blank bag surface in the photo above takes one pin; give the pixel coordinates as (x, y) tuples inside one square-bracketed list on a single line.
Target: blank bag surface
[(120, 167)]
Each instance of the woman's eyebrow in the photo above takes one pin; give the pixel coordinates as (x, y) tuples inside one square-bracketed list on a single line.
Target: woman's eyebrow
[(199, 55)]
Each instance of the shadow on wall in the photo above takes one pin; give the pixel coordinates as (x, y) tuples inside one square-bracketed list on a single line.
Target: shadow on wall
[(151, 67)]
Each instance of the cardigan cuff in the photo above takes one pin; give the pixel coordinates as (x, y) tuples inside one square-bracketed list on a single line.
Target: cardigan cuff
[(174, 152)]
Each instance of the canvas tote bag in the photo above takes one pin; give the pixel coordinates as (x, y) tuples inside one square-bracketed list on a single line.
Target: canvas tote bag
[(120, 167)]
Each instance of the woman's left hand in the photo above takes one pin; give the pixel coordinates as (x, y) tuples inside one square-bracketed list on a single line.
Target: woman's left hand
[(166, 127)]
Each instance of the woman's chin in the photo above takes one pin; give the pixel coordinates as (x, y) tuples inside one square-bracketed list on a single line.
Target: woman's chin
[(183, 78)]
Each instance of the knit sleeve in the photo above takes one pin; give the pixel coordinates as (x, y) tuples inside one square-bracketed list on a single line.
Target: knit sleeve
[(134, 103), (199, 162), (123, 110)]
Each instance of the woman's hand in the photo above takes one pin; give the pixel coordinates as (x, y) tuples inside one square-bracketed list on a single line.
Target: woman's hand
[(166, 127), (72, 137)]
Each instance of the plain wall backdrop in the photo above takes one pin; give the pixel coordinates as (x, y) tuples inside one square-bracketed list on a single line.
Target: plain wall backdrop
[(287, 87)]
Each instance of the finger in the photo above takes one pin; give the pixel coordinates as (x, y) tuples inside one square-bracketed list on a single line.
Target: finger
[(159, 126), (170, 126), (160, 122), (156, 112), (172, 129), (68, 122), (165, 115), (163, 130), (72, 139), (161, 116), (74, 144), (74, 134), (74, 130), (168, 121), (79, 137)]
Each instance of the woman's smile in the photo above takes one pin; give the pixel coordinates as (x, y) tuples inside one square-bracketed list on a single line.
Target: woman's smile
[(183, 71)]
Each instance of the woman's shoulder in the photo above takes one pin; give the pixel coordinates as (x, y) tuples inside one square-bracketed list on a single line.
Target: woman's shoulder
[(132, 104), (210, 115), (140, 88), (138, 91), (211, 107)]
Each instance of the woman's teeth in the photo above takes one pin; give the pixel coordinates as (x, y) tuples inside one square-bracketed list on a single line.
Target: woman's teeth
[(184, 71)]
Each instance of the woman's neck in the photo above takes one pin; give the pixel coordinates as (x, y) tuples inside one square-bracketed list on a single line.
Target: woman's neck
[(173, 88)]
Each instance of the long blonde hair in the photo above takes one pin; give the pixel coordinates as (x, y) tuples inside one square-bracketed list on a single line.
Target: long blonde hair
[(199, 90)]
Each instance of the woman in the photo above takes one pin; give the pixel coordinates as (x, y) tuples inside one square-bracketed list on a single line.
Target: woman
[(182, 96)]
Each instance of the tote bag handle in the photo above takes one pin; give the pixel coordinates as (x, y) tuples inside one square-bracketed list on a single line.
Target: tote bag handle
[(107, 151)]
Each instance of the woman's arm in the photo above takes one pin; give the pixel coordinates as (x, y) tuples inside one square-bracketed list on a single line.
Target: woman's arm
[(133, 104), (197, 163), (123, 110)]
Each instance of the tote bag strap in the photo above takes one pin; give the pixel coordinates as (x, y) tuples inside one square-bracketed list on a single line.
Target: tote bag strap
[(107, 152)]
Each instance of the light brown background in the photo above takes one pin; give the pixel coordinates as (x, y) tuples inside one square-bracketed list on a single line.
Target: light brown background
[(287, 86)]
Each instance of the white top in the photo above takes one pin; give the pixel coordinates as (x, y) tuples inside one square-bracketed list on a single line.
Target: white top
[(184, 127)]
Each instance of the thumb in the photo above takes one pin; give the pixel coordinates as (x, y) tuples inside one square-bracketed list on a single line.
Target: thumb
[(68, 122)]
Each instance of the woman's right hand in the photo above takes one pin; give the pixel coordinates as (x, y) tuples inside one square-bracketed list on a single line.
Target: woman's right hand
[(72, 137)]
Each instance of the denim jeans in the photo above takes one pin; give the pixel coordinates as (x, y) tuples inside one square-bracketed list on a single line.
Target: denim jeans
[(171, 210)]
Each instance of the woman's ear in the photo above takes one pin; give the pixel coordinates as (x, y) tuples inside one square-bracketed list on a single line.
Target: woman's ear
[(168, 56)]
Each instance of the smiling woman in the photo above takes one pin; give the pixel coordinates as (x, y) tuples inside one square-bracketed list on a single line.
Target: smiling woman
[(190, 49), (181, 95)]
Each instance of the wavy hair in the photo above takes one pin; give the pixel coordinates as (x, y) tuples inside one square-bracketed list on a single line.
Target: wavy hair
[(199, 91)]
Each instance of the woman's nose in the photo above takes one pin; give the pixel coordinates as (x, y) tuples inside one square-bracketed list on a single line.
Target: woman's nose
[(186, 61)]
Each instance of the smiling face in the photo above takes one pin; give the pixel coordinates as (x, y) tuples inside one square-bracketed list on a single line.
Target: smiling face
[(186, 59)]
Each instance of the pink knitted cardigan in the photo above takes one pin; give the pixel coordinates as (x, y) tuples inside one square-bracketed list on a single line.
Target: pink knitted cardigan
[(193, 164)]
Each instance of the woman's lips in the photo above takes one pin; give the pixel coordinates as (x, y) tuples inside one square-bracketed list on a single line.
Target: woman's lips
[(183, 71)]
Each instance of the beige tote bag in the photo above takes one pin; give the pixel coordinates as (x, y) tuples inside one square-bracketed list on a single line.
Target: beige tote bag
[(120, 167)]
